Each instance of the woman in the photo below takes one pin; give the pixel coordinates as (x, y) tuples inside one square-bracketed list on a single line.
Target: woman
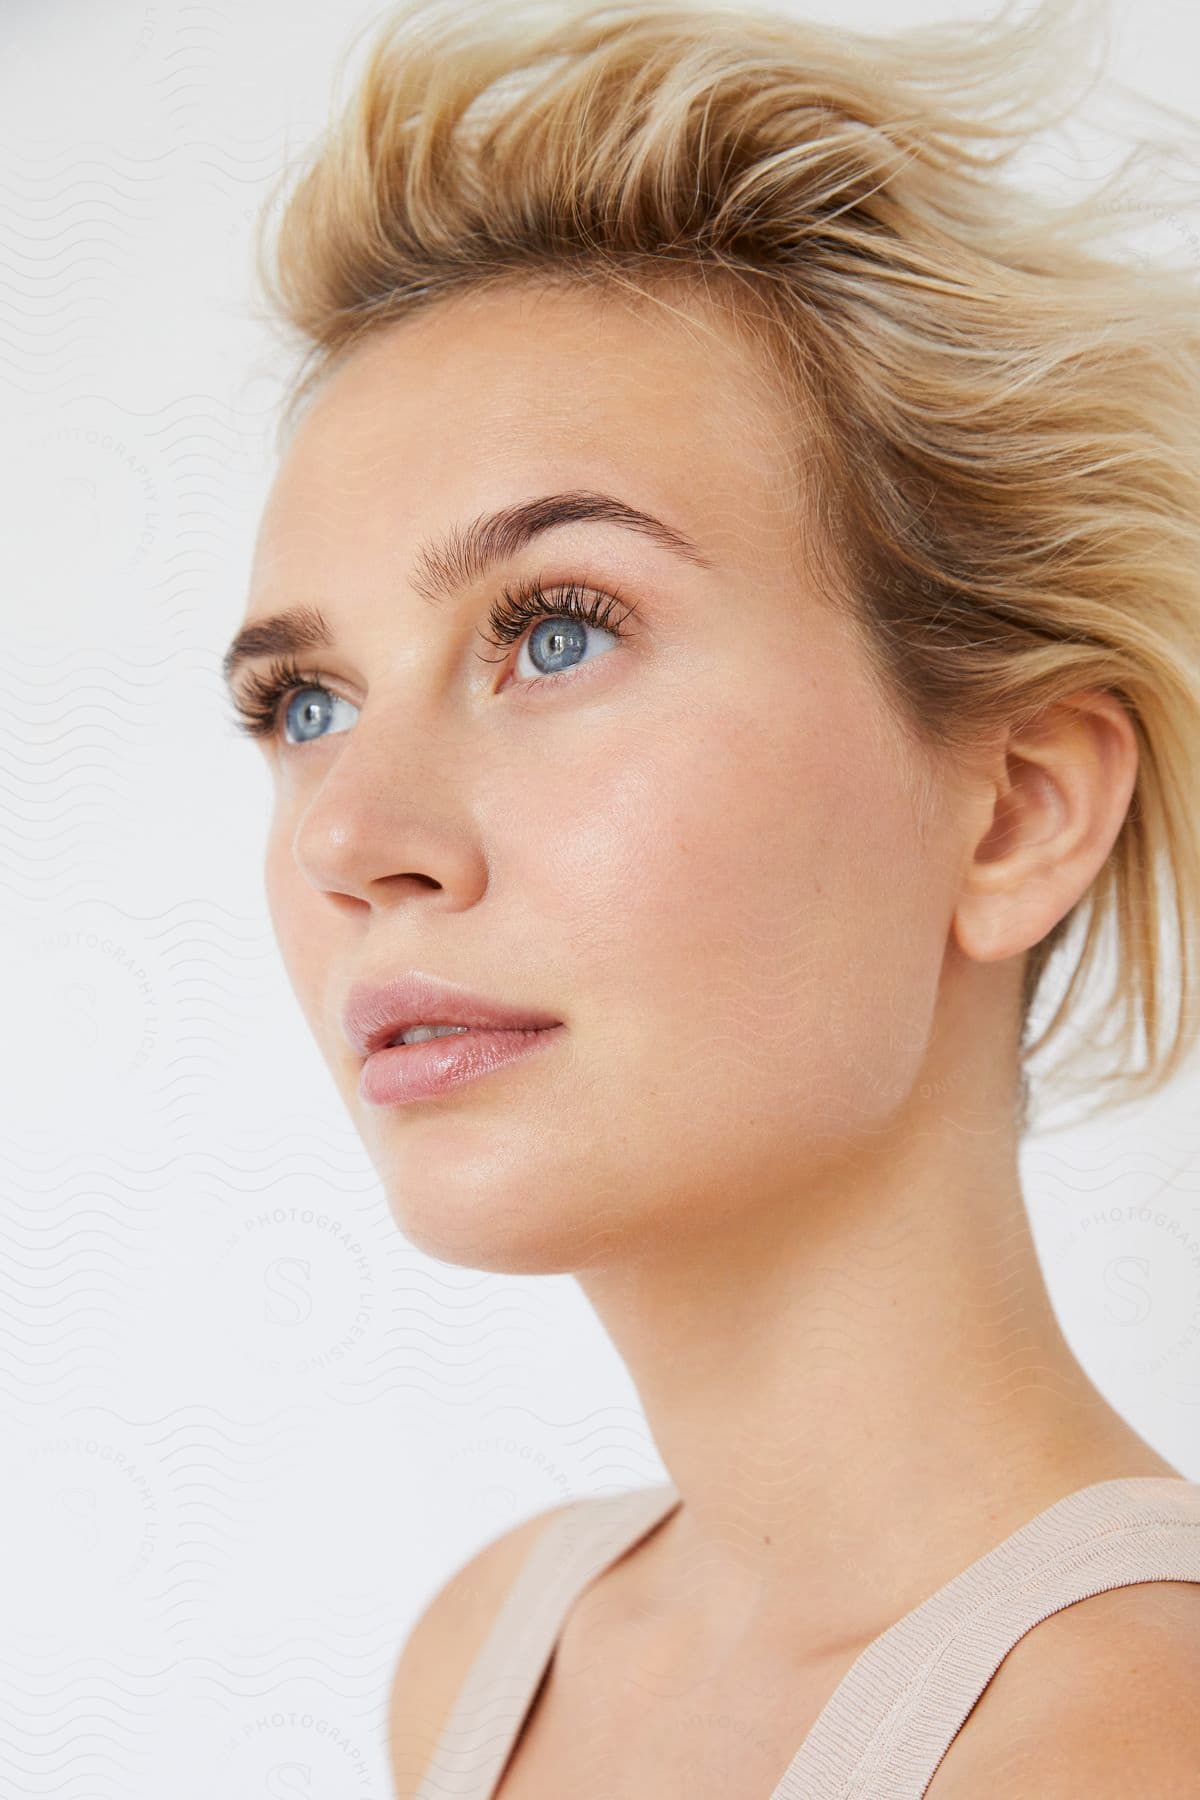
[(727, 604)]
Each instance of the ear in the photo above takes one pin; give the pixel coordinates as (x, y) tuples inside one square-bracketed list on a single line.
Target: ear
[(1053, 800)]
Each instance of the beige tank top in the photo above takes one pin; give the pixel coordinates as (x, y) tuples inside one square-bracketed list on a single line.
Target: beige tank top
[(899, 1707)]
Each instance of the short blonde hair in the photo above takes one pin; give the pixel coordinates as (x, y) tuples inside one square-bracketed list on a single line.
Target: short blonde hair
[(998, 443)]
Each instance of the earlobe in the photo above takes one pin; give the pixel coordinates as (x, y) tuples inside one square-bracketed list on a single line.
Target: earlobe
[(1043, 824)]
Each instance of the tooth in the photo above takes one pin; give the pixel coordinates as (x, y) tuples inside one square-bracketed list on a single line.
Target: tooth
[(420, 1034)]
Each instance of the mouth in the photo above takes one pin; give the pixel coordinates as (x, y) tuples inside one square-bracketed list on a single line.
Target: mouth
[(437, 1062), (416, 1009)]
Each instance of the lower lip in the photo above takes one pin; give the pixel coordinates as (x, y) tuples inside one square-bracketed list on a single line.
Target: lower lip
[(405, 1072)]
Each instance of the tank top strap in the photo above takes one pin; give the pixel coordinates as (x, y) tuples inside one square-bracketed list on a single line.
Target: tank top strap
[(899, 1707), (578, 1542)]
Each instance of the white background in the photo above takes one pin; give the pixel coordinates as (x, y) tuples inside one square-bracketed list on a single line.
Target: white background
[(248, 1429)]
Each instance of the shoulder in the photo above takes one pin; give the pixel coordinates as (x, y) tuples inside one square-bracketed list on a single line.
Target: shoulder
[(443, 1643), (1098, 1699)]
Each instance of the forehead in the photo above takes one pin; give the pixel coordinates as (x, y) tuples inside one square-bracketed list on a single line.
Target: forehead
[(482, 400)]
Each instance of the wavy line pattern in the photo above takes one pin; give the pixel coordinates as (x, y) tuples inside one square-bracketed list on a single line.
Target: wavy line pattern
[(247, 1427)]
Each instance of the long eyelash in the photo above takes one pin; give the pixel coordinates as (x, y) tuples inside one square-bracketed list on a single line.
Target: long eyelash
[(528, 601), (257, 706)]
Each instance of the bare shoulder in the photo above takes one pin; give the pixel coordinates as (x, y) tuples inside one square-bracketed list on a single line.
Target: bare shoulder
[(442, 1645), (1098, 1699)]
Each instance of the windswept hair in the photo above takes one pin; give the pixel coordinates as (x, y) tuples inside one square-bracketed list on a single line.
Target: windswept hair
[(997, 412)]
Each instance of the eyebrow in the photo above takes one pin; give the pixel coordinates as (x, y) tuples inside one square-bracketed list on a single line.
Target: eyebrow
[(445, 567)]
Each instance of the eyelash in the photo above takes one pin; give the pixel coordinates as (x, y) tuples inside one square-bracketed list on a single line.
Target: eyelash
[(260, 703)]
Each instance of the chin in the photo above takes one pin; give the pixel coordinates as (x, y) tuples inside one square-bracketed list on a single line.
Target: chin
[(488, 1181), (477, 1232), (483, 1200)]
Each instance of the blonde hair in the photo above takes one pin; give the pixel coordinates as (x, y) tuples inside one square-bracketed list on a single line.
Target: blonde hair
[(997, 418)]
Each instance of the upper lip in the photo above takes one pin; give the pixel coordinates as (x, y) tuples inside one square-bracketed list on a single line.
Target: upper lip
[(377, 1012)]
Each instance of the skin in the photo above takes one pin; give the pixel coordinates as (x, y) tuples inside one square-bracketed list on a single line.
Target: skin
[(776, 1142)]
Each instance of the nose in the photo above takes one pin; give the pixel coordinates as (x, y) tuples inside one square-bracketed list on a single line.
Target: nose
[(391, 820)]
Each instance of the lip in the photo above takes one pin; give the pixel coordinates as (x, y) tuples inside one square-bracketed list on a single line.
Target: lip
[(377, 1012), (408, 1072)]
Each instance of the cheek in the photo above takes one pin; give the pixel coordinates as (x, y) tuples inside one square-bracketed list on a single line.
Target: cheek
[(738, 904)]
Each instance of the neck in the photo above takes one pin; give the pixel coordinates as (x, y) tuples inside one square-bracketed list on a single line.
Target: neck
[(857, 1386)]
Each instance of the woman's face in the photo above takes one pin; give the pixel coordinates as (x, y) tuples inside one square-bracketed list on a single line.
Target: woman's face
[(696, 844)]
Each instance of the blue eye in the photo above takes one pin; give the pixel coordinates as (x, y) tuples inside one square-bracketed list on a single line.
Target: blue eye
[(561, 622), (555, 644), (259, 707), (308, 711)]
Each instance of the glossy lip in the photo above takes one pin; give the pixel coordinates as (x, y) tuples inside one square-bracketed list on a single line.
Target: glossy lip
[(406, 1074), (375, 1013)]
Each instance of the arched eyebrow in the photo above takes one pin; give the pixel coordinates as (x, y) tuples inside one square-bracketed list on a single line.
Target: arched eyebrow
[(446, 566)]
